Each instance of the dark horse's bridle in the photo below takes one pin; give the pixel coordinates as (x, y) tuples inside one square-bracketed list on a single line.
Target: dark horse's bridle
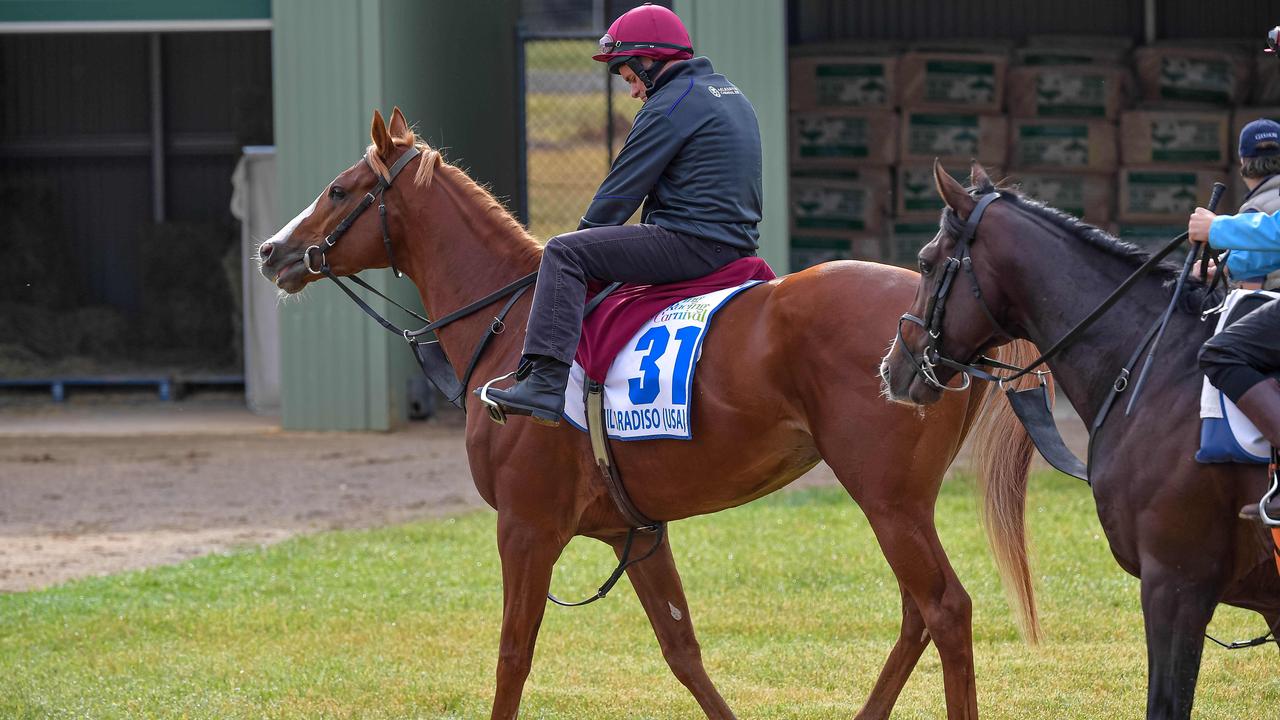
[(1032, 405), (427, 352), (931, 354)]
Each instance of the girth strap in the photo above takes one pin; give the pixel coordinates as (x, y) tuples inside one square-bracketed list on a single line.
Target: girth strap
[(594, 404)]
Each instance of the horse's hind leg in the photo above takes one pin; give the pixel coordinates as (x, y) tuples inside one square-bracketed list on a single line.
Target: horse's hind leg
[(657, 584), (913, 638), (528, 553)]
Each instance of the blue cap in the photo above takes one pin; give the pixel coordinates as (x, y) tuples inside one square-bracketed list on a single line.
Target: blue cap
[(1259, 131)]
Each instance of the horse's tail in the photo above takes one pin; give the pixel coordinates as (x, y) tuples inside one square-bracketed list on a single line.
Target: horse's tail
[(1002, 450)]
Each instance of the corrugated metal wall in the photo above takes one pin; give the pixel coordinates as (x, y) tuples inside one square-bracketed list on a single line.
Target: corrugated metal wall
[(828, 20), (75, 133), (449, 66), (746, 41), (1186, 19), (832, 20), (75, 127)]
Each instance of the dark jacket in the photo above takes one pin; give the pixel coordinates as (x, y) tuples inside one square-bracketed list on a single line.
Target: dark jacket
[(692, 157)]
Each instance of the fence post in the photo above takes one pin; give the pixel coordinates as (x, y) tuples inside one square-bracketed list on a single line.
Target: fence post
[(522, 129)]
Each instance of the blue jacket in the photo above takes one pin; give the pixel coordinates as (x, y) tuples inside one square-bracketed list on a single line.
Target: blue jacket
[(692, 157), (1252, 238)]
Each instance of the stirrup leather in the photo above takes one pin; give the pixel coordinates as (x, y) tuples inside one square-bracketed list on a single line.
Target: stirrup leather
[(1272, 491)]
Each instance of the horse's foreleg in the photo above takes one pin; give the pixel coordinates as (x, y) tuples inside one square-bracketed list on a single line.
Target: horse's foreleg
[(528, 554), (1176, 610), (913, 638), (910, 543), (657, 583)]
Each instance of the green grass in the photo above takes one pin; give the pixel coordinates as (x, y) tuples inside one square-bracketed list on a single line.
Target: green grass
[(562, 55), (794, 604)]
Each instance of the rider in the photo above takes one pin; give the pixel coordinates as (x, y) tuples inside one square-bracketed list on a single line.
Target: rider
[(1239, 360), (1260, 170), (693, 157)]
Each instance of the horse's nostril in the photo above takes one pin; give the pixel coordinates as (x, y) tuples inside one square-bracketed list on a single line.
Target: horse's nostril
[(265, 251)]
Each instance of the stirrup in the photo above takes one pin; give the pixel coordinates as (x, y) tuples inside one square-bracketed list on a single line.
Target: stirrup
[(496, 412), (1272, 491)]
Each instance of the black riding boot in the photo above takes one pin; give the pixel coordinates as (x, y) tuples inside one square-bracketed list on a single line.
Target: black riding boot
[(540, 394), (1261, 404)]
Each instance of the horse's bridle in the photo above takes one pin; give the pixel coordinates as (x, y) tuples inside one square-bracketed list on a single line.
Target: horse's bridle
[(931, 355), (430, 357), (376, 194)]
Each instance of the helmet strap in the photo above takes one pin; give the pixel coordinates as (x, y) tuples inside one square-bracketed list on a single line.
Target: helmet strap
[(647, 76)]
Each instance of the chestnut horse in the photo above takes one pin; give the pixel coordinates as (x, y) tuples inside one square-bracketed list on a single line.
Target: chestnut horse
[(787, 378), (1170, 521)]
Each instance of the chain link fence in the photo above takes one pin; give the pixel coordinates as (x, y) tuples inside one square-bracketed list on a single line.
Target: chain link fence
[(576, 116)]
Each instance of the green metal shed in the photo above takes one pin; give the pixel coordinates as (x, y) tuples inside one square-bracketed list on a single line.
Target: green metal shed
[(335, 61)]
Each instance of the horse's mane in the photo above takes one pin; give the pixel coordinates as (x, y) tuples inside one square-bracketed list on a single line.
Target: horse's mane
[(1194, 292), (473, 191)]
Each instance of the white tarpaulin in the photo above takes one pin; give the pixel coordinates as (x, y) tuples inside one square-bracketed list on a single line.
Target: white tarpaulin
[(253, 203)]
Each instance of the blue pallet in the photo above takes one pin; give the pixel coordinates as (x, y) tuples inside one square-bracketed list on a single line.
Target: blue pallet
[(168, 388)]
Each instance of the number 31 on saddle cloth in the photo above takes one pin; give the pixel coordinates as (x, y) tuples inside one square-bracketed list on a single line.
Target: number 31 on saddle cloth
[(1226, 435), (643, 343)]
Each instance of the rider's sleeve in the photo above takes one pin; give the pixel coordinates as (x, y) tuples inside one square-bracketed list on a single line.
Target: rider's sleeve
[(1252, 238), (1247, 231), (1252, 264), (653, 141)]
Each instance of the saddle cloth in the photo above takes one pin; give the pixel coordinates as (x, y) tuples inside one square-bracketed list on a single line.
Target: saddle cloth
[(649, 374), (615, 321), (1226, 435)]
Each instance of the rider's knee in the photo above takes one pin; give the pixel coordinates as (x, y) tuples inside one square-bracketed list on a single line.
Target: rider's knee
[(558, 246), (1213, 354)]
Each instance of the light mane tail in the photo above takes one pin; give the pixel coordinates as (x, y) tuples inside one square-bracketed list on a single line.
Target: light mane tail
[(1003, 451)]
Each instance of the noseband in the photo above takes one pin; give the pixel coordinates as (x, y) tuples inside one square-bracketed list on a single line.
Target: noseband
[(322, 267), (931, 355)]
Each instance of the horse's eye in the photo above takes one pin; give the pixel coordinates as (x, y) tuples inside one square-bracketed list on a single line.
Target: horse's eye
[(337, 193), (926, 267)]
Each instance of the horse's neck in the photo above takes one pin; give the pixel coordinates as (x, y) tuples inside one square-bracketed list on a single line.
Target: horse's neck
[(460, 250), (1067, 280)]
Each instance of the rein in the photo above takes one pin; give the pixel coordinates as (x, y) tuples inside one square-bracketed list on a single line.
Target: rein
[(1034, 412), (435, 366), (1031, 406), (932, 357)]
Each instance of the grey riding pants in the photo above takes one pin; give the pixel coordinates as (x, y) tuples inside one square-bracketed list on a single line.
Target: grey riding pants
[(644, 254)]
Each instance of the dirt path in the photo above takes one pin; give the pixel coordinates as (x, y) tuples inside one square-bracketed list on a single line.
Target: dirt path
[(92, 490), (97, 486)]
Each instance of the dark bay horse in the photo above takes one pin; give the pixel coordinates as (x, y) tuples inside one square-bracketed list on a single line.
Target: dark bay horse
[(1170, 521), (787, 378)]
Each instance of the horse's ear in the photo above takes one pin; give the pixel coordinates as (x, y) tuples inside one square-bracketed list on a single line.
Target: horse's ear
[(399, 126), (952, 193), (978, 178), (379, 135)]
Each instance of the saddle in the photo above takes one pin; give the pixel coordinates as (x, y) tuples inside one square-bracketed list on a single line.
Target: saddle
[(612, 320)]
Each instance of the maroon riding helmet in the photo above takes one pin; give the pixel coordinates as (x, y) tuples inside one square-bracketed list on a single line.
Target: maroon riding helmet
[(650, 31)]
